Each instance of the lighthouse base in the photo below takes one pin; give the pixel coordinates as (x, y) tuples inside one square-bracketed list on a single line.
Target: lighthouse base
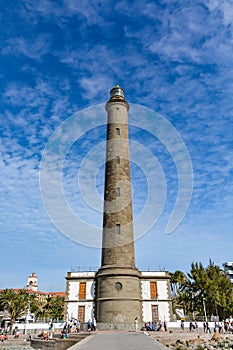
[(119, 299)]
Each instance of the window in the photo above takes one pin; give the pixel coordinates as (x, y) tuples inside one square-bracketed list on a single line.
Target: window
[(118, 191), (118, 229), (82, 290), (155, 313), (118, 286), (118, 160), (118, 131), (153, 290), (81, 313)]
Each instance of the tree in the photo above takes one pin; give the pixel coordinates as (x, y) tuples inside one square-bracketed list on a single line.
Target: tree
[(209, 286), (16, 303), (54, 308), (177, 278)]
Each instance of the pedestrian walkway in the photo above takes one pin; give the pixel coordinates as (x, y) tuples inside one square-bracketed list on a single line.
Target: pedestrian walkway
[(118, 341)]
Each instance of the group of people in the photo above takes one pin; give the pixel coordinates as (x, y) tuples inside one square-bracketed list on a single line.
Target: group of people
[(66, 329), (44, 335), (156, 326), (193, 325), (221, 327), (224, 327), (73, 326)]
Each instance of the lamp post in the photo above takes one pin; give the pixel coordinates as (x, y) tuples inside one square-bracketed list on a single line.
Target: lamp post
[(26, 319), (203, 299), (193, 295)]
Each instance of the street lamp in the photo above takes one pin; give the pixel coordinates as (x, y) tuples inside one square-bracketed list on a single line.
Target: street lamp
[(193, 296), (203, 299), (27, 318)]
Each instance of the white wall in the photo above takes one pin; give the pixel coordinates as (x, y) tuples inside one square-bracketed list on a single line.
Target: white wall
[(163, 306), (145, 285), (162, 290), (73, 296)]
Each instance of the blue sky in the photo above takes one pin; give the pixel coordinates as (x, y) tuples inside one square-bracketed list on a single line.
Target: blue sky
[(60, 57)]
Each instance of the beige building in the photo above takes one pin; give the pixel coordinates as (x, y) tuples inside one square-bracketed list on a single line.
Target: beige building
[(155, 296)]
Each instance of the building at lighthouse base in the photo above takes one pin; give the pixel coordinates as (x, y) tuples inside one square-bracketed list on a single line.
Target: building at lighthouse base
[(153, 304)]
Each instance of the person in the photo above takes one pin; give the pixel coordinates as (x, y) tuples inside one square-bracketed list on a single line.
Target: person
[(165, 325), (78, 326), (204, 327), (45, 335), (207, 328), (153, 326), (191, 325), (51, 330), (196, 325), (159, 328), (16, 334), (136, 324), (29, 337), (93, 324), (182, 325), (89, 325), (50, 326)]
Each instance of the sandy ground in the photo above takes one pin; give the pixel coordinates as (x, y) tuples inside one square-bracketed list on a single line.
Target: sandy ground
[(168, 338)]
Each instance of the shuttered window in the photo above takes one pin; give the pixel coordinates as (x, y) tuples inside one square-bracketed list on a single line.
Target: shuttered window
[(82, 290), (153, 290)]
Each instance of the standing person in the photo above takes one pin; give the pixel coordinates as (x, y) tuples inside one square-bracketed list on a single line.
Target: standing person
[(136, 324), (78, 326), (89, 325), (207, 328), (159, 328), (165, 325), (93, 324), (204, 327), (182, 325)]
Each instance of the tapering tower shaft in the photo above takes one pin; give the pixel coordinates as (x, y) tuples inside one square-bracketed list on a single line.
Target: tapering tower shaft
[(118, 288), (118, 236)]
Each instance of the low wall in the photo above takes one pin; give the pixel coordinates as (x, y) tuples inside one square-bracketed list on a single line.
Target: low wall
[(57, 344), (176, 324), (118, 326), (36, 327)]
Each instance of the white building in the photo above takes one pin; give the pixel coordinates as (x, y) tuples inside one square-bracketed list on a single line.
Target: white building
[(228, 268), (155, 292), (32, 282)]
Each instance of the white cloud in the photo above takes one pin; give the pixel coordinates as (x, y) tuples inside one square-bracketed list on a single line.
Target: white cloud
[(34, 48)]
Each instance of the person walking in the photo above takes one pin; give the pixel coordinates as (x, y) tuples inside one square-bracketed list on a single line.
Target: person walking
[(207, 328)]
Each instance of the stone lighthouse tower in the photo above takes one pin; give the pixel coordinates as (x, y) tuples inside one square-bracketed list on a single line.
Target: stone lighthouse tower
[(118, 291)]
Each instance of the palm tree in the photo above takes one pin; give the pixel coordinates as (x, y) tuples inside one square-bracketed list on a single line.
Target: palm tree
[(15, 302), (177, 278)]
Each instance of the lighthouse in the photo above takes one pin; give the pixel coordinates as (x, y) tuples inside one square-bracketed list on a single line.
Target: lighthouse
[(118, 295), (118, 291)]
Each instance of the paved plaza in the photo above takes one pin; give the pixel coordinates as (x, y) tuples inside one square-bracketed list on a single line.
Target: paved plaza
[(118, 341)]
